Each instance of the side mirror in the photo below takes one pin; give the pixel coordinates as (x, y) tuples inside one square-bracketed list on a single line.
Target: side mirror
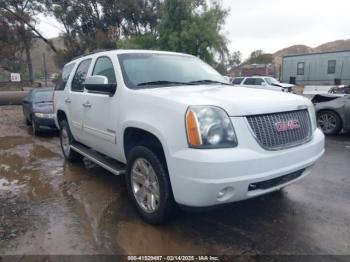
[(99, 85), (263, 84)]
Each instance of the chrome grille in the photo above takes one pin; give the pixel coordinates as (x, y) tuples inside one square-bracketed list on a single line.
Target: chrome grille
[(265, 131)]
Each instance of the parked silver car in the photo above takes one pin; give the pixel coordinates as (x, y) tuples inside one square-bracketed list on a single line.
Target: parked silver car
[(333, 113)]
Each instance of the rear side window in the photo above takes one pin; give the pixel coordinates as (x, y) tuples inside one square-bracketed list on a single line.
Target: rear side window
[(249, 81), (63, 78), (104, 67), (259, 81), (237, 81), (80, 75)]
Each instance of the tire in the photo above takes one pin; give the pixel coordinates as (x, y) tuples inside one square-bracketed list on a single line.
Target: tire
[(150, 191), (27, 121), (35, 128), (330, 122), (66, 139)]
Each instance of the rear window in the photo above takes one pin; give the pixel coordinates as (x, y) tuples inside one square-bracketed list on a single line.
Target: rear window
[(43, 96), (249, 81), (80, 75), (237, 81), (63, 78)]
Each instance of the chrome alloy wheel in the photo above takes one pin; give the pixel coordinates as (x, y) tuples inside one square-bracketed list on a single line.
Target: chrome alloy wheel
[(65, 141), (145, 185), (327, 122)]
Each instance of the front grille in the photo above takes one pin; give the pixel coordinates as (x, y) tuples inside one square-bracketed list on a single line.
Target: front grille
[(275, 181), (264, 128)]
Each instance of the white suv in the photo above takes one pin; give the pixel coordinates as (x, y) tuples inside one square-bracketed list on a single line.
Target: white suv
[(179, 132), (262, 82)]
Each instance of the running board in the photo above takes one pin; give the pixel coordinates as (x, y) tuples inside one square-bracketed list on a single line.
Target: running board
[(109, 164)]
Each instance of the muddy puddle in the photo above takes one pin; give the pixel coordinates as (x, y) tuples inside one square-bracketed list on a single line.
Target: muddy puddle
[(72, 208)]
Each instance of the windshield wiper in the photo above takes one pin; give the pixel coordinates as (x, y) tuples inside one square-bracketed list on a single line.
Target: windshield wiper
[(207, 81), (162, 82)]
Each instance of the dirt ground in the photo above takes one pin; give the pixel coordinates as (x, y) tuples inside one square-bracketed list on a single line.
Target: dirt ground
[(48, 206)]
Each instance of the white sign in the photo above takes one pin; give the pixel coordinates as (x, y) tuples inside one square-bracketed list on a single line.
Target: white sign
[(15, 77)]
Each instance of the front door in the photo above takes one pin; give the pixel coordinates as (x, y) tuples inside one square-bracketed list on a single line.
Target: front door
[(75, 99), (100, 123)]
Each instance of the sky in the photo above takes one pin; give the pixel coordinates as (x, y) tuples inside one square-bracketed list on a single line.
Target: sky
[(271, 25)]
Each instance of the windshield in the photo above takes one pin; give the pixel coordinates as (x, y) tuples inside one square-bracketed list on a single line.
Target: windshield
[(142, 70), (43, 96), (271, 81)]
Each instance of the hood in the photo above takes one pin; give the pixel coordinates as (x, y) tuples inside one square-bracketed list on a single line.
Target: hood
[(285, 85), (237, 101), (46, 107)]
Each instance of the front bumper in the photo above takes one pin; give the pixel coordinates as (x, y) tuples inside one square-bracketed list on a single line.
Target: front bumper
[(203, 178), (45, 122)]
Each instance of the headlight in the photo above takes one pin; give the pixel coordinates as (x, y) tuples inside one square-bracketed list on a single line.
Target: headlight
[(42, 115), (209, 127)]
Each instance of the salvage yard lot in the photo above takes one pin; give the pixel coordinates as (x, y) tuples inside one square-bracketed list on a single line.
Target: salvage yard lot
[(52, 207)]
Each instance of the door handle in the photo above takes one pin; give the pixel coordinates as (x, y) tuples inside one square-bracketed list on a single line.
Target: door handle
[(87, 105), (67, 100)]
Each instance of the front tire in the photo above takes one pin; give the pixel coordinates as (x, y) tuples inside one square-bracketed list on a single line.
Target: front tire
[(329, 122), (35, 128), (148, 185), (66, 139)]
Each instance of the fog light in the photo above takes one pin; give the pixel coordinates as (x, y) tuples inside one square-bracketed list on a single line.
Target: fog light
[(225, 194)]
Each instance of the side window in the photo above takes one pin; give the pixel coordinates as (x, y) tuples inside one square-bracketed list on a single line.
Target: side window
[(259, 81), (237, 81), (80, 75), (63, 78), (249, 81), (331, 66), (300, 68), (104, 67)]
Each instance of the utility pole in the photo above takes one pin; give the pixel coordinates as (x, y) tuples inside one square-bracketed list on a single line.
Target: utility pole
[(45, 69)]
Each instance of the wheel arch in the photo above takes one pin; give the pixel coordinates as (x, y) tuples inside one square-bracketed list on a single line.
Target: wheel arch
[(61, 115), (333, 111), (135, 136)]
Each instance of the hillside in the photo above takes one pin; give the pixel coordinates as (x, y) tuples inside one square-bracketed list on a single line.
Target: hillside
[(303, 49)]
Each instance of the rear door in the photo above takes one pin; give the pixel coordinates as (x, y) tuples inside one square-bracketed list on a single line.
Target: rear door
[(75, 99), (100, 123)]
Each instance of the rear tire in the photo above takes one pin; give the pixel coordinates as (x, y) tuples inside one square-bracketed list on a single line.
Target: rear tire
[(149, 186), (66, 139), (330, 122)]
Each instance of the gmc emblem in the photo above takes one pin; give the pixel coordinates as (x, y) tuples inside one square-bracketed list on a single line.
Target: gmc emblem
[(285, 126)]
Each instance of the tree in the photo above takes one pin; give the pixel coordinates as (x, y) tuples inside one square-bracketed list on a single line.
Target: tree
[(192, 27), (235, 59), (100, 24), (20, 17), (259, 57)]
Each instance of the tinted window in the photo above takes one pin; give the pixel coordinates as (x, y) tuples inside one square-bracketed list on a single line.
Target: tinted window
[(142, 70), (43, 96), (80, 75), (300, 68), (104, 67), (62, 81), (237, 81), (259, 81), (331, 66), (249, 81)]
